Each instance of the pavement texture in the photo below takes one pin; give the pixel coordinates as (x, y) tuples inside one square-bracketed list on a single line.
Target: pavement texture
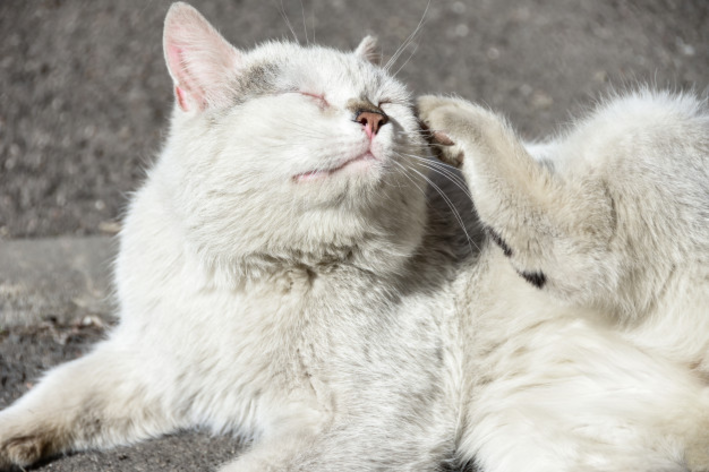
[(84, 99)]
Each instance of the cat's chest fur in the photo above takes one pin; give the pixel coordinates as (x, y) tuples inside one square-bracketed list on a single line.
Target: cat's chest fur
[(314, 338)]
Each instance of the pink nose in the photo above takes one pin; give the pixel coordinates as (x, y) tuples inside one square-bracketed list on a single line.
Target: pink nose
[(371, 121)]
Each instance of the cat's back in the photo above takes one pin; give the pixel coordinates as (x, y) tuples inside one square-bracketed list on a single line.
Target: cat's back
[(646, 128)]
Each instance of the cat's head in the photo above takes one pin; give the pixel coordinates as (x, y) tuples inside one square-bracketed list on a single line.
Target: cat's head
[(289, 152)]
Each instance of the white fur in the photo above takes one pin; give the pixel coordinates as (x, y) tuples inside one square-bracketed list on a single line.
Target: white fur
[(272, 288), (293, 311), (603, 367)]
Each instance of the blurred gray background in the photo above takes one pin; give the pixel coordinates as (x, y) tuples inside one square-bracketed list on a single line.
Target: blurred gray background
[(85, 98)]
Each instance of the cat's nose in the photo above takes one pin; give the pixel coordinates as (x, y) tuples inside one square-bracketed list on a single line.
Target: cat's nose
[(372, 121)]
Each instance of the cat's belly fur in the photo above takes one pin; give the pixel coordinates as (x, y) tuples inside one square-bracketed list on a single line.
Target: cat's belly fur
[(555, 387)]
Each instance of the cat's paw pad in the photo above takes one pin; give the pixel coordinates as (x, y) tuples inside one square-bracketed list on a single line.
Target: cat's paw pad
[(443, 147), (432, 114), (465, 126)]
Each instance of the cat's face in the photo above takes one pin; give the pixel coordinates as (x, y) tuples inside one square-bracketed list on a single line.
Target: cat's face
[(288, 149), (315, 124)]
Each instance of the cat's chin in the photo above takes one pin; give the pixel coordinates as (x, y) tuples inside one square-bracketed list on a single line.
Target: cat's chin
[(357, 165)]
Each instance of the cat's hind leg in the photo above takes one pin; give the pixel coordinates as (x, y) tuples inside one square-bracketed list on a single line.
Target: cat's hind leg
[(555, 231), (101, 400), (577, 399)]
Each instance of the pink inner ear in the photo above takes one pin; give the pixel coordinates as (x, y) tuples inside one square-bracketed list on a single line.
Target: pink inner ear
[(180, 95), (200, 61), (174, 54), (185, 89)]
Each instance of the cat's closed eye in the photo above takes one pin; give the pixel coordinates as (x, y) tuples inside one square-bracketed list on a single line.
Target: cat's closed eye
[(318, 97), (390, 106)]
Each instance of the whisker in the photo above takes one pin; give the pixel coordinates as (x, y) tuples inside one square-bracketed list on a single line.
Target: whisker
[(454, 210), (453, 179), (305, 26), (405, 174), (395, 57), (416, 46), (444, 170), (312, 16), (282, 11), (447, 170), (445, 198)]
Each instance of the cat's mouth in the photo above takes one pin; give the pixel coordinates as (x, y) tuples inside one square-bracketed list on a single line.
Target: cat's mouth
[(363, 161)]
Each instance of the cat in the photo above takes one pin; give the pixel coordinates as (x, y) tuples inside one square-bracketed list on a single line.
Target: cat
[(587, 312), (283, 277), (276, 275)]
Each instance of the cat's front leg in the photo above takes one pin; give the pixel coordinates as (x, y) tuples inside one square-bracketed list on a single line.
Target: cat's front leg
[(101, 400), (554, 231), (280, 444), (504, 179), (445, 118), (510, 190), (347, 446)]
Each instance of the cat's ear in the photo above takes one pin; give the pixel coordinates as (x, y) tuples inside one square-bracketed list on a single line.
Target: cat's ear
[(201, 62), (368, 49)]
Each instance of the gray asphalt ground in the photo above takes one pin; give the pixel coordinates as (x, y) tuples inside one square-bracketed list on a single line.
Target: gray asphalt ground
[(84, 99)]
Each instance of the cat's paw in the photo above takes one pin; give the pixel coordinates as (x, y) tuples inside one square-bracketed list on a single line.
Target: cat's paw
[(475, 136), (21, 451), (432, 114), (454, 125), (457, 118), (432, 109), (23, 445)]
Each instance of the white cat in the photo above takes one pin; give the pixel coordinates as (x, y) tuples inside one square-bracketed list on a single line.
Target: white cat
[(589, 320), (276, 277), (282, 277)]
